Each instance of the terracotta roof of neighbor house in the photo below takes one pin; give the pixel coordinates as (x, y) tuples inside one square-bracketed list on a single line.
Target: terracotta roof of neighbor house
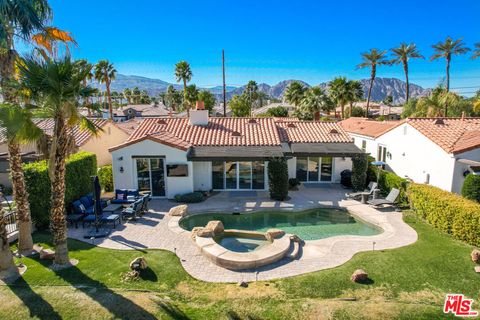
[(80, 136), (454, 135), (367, 127), (128, 126), (312, 132)]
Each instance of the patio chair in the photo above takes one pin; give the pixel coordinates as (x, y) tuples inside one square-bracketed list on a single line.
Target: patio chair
[(389, 200), (125, 196), (134, 210), (371, 187), (144, 207)]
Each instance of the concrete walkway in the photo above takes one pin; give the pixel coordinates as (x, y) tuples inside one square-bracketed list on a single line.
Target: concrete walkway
[(156, 230)]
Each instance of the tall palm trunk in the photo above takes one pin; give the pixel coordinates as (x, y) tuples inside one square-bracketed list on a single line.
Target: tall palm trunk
[(6, 257), (20, 194), (87, 100), (448, 84), (185, 103), (407, 83), (342, 106), (369, 94), (56, 171), (110, 109)]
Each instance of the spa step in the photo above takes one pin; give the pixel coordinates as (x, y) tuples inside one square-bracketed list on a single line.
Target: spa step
[(294, 250)]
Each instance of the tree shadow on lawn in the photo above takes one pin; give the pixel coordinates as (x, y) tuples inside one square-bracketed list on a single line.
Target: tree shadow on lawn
[(37, 306), (173, 311)]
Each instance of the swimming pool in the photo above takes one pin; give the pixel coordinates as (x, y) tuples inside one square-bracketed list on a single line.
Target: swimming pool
[(309, 225)]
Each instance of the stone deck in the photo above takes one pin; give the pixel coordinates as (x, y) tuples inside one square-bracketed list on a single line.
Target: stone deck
[(156, 230)]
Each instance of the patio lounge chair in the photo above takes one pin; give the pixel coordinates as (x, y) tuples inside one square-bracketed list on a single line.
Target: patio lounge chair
[(134, 210), (389, 200), (371, 187), (125, 196)]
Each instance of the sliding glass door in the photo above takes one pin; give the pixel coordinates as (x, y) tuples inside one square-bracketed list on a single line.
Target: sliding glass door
[(151, 175), (315, 169), (238, 175)]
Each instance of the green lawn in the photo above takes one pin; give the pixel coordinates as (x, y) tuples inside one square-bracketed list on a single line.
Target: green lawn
[(408, 283)]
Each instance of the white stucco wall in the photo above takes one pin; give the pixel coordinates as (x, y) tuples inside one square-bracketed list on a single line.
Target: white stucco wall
[(459, 168), (414, 156), (128, 179), (202, 176), (371, 146), (110, 137)]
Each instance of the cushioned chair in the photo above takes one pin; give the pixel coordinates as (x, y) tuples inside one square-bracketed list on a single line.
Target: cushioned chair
[(88, 203), (134, 210), (125, 196)]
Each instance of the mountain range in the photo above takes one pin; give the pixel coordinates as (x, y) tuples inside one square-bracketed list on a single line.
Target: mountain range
[(382, 87)]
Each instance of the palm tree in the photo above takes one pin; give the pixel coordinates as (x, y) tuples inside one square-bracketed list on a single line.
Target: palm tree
[(402, 54), (184, 73), (19, 128), (127, 93), (251, 93), (18, 20), (105, 73), (86, 68), (315, 100), (294, 93), (355, 93), (57, 86), (136, 95), (192, 94), (372, 59), (339, 92), (445, 50), (476, 51), (48, 39)]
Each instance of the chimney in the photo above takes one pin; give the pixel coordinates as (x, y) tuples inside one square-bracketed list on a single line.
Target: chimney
[(463, 115), (199, 116)]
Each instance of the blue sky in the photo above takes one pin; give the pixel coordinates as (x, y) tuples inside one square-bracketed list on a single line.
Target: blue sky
[(269, 41)]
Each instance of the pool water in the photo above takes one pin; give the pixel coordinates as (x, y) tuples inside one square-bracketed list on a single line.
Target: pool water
[(241, 244), (309, 225)]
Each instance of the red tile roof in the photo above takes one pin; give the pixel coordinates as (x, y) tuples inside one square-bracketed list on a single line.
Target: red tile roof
[(235, 132), (367, 127), (312, 132), (454, 135)]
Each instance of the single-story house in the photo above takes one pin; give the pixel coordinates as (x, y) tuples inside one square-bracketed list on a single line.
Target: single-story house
[(435, 151), (132, 111), (110, 135), (170, 156)]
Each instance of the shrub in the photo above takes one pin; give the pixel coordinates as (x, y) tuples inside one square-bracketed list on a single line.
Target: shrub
[(279, 111), (471, 187), (293, 182), (359, 172), (79, 169), (278, 178), (446, 211), (387, 181), (105, 175), (192, 197)]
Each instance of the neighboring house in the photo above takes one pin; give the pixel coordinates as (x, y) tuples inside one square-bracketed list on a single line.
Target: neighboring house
[(265, 108), (171, 156), (110, 135), (365, 133), (376, 110), (435, 151), (137, 111)]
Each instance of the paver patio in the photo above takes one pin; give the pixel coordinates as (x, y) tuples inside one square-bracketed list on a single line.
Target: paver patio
[(157, 230)]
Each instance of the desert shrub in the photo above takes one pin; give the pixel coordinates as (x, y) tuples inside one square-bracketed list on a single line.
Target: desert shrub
[(105, 175), (471, 187), (278, 178), (192, 197), (357, 112), (80, 167), (446, 211), (359, 172), (279, 111)]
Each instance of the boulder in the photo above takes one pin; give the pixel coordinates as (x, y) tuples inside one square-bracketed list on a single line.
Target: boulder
[(359, 276), (243, 284), (216, 227), (194, 232), (275, 233), (47, 254), (475, 255), (139, 264), (179, 211), (204, 233)]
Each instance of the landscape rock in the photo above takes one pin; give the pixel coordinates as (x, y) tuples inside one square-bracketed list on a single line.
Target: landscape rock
[(139, 264), (359, 276), (194, 232), (243, 284), (216, 226), (475, 255), (47, 254), (275, 233), (477, 269), (178, 211), (204, 232)]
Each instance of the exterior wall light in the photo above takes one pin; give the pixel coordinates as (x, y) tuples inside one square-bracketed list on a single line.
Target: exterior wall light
[(120, 158), (121, 170)]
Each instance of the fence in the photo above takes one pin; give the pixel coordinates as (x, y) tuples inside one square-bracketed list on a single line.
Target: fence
[(11, 222)]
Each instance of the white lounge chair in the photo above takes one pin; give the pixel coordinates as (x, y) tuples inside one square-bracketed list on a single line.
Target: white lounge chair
[(389, 200), (371, 187)]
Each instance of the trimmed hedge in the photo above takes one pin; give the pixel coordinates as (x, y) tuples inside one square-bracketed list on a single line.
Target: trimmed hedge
[(447, 212), (105, 175), (192, 197), (471, 187), (79, 169), (278, 178), (359, 172)]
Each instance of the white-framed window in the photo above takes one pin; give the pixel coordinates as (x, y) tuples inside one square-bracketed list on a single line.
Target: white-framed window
[(364, 145), (315, 169), (238, 175)]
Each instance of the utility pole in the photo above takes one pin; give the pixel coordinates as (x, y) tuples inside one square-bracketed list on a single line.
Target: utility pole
[(224, 87)]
